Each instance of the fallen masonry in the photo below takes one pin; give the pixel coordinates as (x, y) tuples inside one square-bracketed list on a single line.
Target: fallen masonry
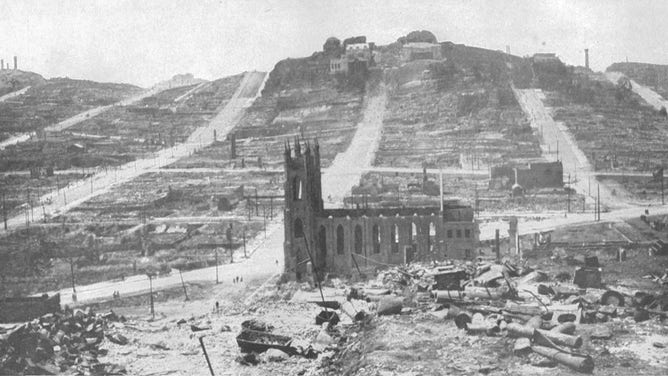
[(538, 320), (59, 342)]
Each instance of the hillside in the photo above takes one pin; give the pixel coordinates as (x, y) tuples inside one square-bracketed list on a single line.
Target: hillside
[(13, 80), (50, 101), (652, 75)]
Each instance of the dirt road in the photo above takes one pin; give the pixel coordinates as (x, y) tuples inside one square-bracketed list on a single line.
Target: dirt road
[(556, 137), (649, 95), (265, 256), (78, 118), (14, 94), (74, 194), (347, 168), (432, 171)]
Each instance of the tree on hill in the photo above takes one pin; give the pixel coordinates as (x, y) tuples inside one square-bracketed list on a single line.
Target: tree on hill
[(418, 36), (332, 46)]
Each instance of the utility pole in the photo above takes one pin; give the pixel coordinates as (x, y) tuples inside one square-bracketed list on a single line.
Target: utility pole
[(264, 220), (598, 200), (216, 253), (206, 356), (257, 205), (30, 203), (662, 201), (185, 292), (557, 150), (228, 233), (74, 290), (244, 239), (150, 286), (4, 208), (569, 193)]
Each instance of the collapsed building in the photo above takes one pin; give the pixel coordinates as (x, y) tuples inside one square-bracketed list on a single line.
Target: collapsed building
[(340, 241), (534, 175)]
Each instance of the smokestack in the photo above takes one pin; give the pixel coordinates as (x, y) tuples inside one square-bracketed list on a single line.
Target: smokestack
[(2, 64), (508, 49), (16, 64), (587, 58)]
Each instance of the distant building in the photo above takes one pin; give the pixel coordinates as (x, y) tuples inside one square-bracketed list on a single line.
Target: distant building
[(338, 65), (534, 175), (545, 58), (358, 51), (356, 58), (421, 51), (343, 240)]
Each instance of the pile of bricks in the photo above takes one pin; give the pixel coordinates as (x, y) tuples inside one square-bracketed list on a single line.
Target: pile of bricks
[(55, 343)]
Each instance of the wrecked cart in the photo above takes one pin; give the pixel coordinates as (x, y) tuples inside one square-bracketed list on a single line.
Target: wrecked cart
[(258, 341)]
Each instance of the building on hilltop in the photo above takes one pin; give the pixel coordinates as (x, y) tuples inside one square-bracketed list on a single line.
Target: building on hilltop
[(421, 51), (355, 58), (545, 58), (342, 240)]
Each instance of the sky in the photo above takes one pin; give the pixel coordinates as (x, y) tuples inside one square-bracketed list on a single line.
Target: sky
[(143, 42)]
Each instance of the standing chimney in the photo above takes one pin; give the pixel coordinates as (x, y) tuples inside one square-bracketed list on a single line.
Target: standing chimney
[(508, 49), (2, 64), (233, 145), (587, 58), (16, 65)]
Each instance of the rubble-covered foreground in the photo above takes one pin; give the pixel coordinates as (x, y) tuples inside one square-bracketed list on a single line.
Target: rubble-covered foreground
[(66, 342), (466, 319), (502, 319)]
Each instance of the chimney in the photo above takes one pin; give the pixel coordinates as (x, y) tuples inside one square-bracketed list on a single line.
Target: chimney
[(233, 145), (16, 65), (2, 64), (508, 49), (587, 58)]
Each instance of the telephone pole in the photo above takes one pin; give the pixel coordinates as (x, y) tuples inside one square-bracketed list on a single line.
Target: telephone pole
[(185, 292), (4, 208), (661, 176), (244, 240), (150, 276), (216, 253), (569, 193), (598, 202)]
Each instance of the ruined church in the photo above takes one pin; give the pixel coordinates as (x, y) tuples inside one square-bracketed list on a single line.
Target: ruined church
[(341, 241)]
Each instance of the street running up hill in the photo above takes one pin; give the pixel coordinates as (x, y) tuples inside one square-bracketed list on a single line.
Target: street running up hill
[(347, 168), (62, 200)]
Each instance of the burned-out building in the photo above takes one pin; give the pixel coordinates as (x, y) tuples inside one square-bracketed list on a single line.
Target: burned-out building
[(342, 240), (356, 56), (537, 174), (421, 51)]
